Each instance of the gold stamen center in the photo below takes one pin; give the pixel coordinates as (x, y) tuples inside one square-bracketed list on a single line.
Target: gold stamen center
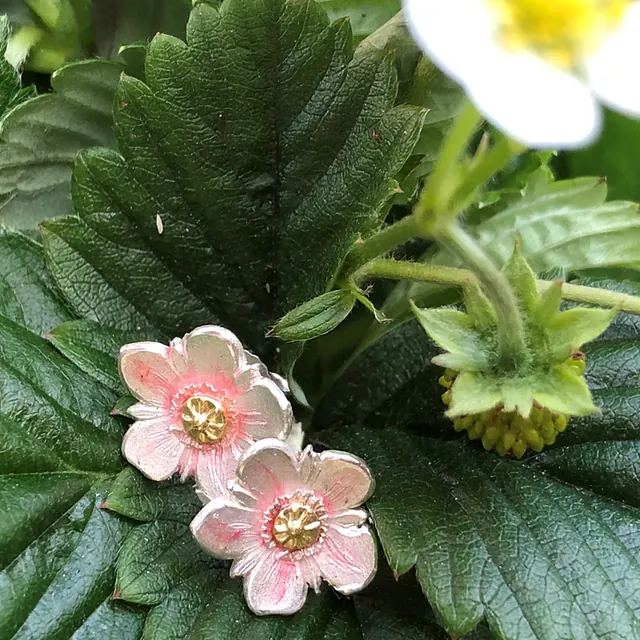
[(203, 419), (297, 526)]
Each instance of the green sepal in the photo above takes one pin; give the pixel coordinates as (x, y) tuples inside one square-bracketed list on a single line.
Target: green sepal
[(478, 306), (564, 391), (473, 393), (457, 361), (454, 331), (361, 297), (579, 325), (517, 396), (522, 279), (548, 303)]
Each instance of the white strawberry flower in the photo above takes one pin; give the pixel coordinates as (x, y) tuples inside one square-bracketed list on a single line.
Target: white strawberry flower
[(537, 69)]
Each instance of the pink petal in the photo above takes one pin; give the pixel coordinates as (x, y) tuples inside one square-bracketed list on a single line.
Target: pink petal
[(214, 350), (150, 446), (216, 465), (348, 558), (343, 480), (268, 469), (266, 412), (145, 368), (226, 529), (275, 587)]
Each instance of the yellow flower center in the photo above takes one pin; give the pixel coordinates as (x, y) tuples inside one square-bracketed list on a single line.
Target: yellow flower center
[(562, 31), (203, 419), (297, 526)]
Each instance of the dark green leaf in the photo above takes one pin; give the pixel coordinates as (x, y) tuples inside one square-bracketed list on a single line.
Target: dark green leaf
[(27, 293), (315, 317), (58, 449), (492, 538), (259, 199), (545, 549), (40, 140), (390, 383), (94, 349)]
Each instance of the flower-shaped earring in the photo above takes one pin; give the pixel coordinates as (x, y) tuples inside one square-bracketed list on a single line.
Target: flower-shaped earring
[(289, 522), (203, 401)]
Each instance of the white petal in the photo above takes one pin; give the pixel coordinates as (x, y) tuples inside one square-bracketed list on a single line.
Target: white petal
[(295, 439), (265, 410), (348, 558), (215, 468), (151, 447), (146, 369), (451, 31), (143, 411), (226, 529), (275, 587), (268, 469), (612, 69), (214, 350), (342, 480), (534, 102), (349, 518)]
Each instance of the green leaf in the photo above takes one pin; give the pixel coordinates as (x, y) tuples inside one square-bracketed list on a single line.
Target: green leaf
[(10, 92), (260, 199), (497, 539), (94, 349), (365, 15), (58, 450), (540, 549), (566, 224), (315, 317), (390, 383), (41, 138), (27, 293)]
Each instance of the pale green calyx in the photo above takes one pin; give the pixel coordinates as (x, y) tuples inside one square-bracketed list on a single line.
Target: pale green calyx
[(549, 377)]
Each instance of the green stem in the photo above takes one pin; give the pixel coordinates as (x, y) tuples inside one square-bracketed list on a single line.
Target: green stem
[(496, 159), (419, 271), (442, 181), (598, 297), (404, 270), (511, 339), (382, 242)]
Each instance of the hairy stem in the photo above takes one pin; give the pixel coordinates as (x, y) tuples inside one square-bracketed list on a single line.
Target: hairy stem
[(444, 179), (511, 338), (404, 270), (496, 159), (382, 242)]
